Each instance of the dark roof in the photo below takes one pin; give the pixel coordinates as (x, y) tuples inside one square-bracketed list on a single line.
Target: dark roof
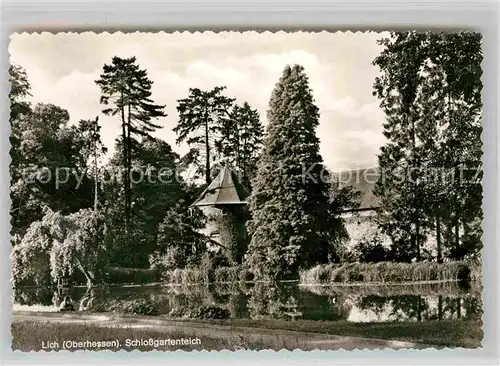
[(222, 191), (363, 181)]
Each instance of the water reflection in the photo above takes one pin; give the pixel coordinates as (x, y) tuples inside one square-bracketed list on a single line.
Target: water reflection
[(282, 301)]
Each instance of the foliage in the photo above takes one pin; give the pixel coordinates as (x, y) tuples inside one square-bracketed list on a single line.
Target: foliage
[(293, 222), (94, 149), (240, 141), (159, 204), (19, 107), (19, 84), (59, 245), (200, 312), (372, 251), (213, 268), (48, 166), (233, 237), (180, 229), (174, 257), (227, 274), (199, 122), (430, 91), (136, 306)]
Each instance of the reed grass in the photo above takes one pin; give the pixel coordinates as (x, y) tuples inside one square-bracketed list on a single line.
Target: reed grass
[(184, 276), (391, 272), (197, 275)]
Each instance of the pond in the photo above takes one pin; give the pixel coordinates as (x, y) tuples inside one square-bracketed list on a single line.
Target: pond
[(285, 301)]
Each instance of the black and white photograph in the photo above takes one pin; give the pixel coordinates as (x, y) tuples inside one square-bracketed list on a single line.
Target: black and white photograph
[(246, 190)]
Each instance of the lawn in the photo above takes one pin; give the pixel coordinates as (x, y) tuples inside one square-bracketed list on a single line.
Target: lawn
[(28, 336), (250, 334), (444, 333)]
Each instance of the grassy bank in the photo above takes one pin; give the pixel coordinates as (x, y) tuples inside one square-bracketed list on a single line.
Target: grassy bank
[(391, 272), (236, 334), (28, 336), (444, 333)]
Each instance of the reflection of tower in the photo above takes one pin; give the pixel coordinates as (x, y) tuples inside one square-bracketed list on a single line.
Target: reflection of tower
[(223, 202)]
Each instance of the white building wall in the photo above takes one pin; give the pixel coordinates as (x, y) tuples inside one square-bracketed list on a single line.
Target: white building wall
[(362, 226)]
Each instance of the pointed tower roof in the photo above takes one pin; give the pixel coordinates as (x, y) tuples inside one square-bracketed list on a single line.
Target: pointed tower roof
[(222, 191)]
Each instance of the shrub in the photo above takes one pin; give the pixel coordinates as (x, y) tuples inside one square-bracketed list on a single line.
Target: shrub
[(191, 275), (200, 312), (246, 275), (371, 251), (137, 307), (173, 258), (211, 312), (227, 274)]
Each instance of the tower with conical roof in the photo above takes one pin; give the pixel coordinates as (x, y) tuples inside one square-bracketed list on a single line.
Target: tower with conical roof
[(223, 193), (224, 204)]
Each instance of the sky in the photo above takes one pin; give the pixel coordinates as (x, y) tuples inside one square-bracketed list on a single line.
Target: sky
[(62, 69)]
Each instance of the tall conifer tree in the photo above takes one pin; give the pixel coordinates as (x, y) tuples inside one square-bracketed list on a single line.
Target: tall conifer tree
[(200, 116), (126, 90), (292, 220), (240, 140)]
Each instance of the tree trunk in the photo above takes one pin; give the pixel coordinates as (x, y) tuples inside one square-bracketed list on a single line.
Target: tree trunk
[(417, 240), (85, 273), (438, 240), (128, 192), (413, 242), (459, 308), (457, 235), (96, 202), (124, 165), (245, 158), (207, 150), (237, 137), (129, 159), (415, 183), (440, 307)]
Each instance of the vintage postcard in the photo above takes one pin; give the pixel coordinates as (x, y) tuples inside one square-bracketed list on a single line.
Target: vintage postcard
[(246, 191)]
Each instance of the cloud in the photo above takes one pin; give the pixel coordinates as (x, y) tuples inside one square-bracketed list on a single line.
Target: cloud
[(62, 69)]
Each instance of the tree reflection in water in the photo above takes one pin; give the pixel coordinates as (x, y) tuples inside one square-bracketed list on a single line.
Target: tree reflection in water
[(273, 301), (418, 307), (286, 301), (33, 296)]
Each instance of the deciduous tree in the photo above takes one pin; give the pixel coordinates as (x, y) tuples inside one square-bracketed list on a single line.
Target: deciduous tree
[(59, 245)]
